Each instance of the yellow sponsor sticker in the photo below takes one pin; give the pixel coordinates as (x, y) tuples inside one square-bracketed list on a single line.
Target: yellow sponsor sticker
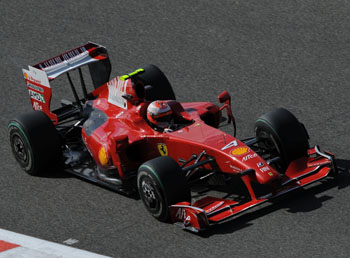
[(102, 155), (162, 148), (270, 174), (239, 151)]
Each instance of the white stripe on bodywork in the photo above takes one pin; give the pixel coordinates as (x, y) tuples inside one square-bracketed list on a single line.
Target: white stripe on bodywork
[(116, 90)]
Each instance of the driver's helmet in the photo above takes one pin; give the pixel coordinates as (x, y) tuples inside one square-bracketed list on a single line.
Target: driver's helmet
[(159, 113)]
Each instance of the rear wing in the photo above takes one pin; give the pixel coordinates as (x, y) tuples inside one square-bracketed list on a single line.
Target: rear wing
[(38, 76)]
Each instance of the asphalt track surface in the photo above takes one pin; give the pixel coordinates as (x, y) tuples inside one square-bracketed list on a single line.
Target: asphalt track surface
[(291, 54)]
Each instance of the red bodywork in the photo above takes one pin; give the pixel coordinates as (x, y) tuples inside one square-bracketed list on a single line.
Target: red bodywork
[(127, 132), (124, 140), (128, 129)]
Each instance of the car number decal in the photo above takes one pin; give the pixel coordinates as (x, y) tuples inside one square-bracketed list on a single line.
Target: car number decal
[(231, 144)]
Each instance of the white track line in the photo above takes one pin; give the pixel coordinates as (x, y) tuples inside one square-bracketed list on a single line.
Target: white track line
[(31, 247)]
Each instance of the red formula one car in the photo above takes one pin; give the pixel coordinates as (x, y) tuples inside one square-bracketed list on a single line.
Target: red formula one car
[(187, 170)]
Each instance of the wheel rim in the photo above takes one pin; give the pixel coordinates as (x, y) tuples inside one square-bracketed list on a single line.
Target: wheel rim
[(19, 149), (150, 195), (268, 142)]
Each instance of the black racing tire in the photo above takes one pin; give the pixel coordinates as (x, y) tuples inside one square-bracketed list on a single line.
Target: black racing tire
[(280, 130), (162, 183), (157, 84), (35, 142)]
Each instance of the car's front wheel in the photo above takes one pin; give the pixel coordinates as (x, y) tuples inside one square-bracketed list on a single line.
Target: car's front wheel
[(161, 183), (280, 132)]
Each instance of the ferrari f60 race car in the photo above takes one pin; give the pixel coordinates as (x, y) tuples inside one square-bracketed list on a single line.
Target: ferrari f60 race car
[(193, 172)]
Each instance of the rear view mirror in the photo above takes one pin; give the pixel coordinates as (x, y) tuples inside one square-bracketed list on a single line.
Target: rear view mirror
[(224, 96)]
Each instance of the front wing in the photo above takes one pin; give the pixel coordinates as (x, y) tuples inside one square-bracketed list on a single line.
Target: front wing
[(211, 210)]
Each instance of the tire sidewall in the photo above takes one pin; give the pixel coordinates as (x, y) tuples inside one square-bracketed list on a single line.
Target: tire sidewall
[(263, 128), (14, 129), (41, 139), (169, 182), (145, 172)]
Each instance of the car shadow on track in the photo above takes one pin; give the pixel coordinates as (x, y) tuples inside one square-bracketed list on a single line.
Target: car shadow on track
[(57, 172), (301, 200), (60, 173)]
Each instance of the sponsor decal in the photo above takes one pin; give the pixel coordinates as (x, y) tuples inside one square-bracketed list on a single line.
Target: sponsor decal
[(34, 87), (32, 79), (249, 156), (116, 90), (162, 148), (35, 76), (314, 164), (264, 169), (235, 168), (231, 144), (214, 207), (260, 164), (37, 96), (239, 151), (102, 156), (181, 215), (119, 114), (37, 106), (270, 174), (317, 163), (187, 220)]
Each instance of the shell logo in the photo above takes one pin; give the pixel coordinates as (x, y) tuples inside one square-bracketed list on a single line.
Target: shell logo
[(239, 151), (102, 155), (26, 76)]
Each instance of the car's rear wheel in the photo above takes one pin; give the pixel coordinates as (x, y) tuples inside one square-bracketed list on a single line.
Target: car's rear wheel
[(161, 183), (35, 142), (157, 84), (280, 132)]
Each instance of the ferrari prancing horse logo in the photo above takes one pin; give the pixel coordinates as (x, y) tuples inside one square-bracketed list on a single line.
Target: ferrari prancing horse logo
[(163, 150)]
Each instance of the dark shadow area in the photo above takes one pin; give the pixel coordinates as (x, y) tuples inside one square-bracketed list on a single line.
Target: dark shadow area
[(56, 173), (59, 172), (344, 173), (301, 200)]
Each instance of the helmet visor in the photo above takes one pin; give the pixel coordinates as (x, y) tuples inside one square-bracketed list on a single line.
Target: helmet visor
[(165, 118)]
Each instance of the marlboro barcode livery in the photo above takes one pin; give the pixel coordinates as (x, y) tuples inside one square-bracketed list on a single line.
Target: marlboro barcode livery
[(131, 134)]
